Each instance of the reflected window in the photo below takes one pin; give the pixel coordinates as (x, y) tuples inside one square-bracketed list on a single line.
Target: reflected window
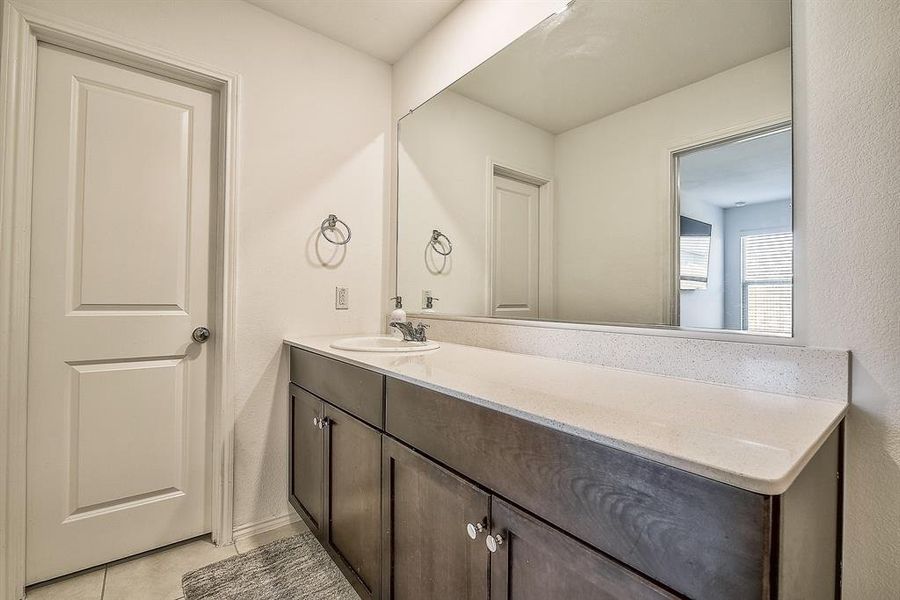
[(695, 242), (767, 277)]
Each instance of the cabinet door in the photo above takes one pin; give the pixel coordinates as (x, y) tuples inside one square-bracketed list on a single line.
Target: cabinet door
[(354, 496), (307, 459), (427, 551), (534, 561)]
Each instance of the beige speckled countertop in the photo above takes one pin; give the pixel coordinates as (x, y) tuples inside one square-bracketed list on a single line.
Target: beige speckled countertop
[(757, 441)]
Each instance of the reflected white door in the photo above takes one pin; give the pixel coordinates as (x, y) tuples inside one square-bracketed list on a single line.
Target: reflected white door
[(515, 249), (118, 452)]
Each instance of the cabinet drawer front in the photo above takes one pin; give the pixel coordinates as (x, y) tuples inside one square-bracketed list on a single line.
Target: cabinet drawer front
[(535, 562), (356, 390), (700, 537)]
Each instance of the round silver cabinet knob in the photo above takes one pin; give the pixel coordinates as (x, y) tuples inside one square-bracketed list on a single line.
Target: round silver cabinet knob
[(493, 542), (320, 423), (473, 529), (200, 335), (316, 421)]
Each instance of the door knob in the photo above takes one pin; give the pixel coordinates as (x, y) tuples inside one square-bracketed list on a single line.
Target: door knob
[(473, 529), (320, 423), (200, 335), (493, 542)]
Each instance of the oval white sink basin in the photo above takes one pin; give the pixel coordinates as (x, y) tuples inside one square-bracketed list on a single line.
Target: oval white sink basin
[(382, 343)]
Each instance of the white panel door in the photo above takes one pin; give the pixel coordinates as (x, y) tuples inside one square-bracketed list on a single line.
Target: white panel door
[(118, 443), (515, 249)]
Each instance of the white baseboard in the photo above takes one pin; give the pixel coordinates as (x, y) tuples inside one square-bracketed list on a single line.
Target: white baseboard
[(243, 531)]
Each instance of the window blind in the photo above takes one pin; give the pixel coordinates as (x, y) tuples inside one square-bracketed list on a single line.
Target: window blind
[(767, 268), (694, 262)]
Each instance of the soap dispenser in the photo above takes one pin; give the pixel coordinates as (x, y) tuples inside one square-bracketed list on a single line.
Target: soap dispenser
[(429, 303), (398, 315)]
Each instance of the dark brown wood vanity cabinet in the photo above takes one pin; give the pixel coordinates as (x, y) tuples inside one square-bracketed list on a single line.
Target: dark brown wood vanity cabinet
[(526, 560), (352, 494), (703, 538), (307, 458), (533, 561), (336, 462), (426, 512), (420, 495)]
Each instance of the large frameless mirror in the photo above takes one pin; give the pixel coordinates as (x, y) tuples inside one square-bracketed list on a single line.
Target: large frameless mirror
[(621, 163)]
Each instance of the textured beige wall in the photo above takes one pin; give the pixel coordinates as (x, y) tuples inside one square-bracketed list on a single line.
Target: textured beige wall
[(848, 175)]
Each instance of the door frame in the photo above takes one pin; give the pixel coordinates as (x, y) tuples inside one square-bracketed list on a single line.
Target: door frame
[(23, 28), (546, 233), (759, 127)]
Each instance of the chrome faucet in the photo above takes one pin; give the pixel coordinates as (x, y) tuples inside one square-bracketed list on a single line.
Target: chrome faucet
[(410, 333)]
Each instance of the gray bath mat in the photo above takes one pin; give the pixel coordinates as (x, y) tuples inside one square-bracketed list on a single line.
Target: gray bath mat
[(294, 568)]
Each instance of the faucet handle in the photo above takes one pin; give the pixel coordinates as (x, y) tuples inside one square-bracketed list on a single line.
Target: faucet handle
[(420, 332)]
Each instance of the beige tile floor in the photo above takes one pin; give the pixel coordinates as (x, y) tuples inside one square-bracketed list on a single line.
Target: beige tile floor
[(154, 575)]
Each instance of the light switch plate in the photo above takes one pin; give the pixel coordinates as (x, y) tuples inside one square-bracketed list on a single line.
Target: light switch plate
[(425, 294), (341, 298)]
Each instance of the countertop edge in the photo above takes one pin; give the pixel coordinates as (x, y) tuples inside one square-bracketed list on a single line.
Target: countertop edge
[(768, 487)]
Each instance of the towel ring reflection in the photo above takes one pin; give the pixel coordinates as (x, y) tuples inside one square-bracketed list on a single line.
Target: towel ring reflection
[(330, 224), (438, 246)]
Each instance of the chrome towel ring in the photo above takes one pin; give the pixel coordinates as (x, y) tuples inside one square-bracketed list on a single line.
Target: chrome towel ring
[(330, 224), (438, 246)]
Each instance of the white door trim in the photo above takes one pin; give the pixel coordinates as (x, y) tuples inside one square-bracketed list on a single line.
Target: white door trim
[(547, 214), (23, 28)]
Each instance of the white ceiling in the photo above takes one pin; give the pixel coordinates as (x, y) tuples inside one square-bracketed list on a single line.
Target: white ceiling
[(598, 58), (385, 29), (753, 171)]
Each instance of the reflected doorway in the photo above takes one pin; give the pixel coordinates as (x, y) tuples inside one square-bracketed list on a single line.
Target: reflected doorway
[(515, 244), (735, 240), (519, 244)]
